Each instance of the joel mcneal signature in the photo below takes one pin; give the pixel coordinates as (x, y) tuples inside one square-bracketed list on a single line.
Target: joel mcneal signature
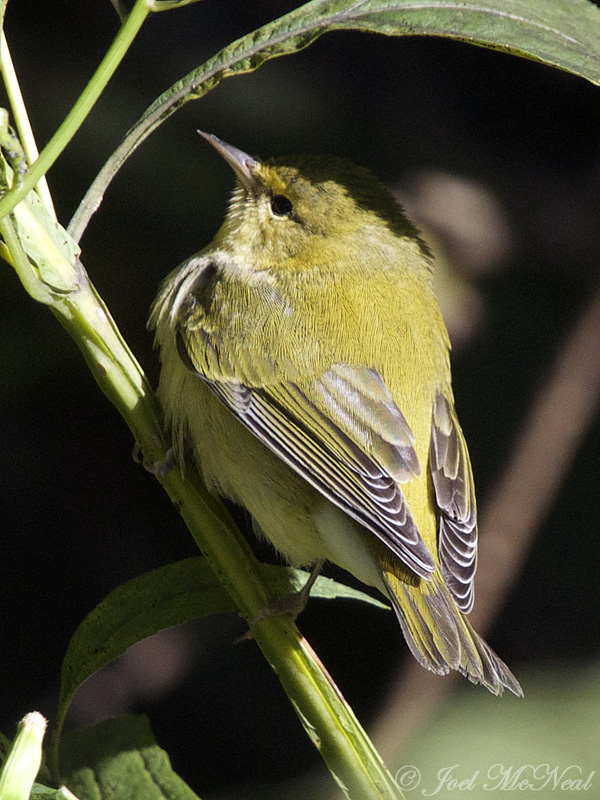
[(527, 777)]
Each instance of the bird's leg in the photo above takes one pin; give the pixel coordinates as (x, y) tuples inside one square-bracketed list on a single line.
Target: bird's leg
[(291, 605), (159, 468)]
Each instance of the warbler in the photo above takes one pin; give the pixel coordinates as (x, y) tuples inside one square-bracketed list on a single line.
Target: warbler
[(305, 362)]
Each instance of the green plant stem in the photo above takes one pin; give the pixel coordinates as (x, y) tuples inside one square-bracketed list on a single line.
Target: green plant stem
[(327, 718), (17, 258), (87, 320), (13, 90), (82, 107)]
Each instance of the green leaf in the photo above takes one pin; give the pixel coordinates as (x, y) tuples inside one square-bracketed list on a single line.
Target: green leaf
[(324, 588), (47, 244), (119, 758), (40, 792), (159, 599), (561, 33)]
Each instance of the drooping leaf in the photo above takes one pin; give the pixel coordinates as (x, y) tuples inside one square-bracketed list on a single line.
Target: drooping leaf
[(171, 595), (561, 33)]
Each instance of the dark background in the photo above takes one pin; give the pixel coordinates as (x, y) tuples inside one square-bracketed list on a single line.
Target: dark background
[(78, 517)]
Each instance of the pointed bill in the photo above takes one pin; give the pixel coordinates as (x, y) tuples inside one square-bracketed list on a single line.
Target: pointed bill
[(241, 163)]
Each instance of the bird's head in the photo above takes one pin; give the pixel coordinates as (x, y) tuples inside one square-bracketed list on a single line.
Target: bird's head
[(296, 206)]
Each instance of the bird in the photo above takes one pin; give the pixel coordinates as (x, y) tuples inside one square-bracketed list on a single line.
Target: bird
[(305, 364)]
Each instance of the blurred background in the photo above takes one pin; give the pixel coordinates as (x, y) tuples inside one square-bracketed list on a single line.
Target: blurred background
[(498, 160)]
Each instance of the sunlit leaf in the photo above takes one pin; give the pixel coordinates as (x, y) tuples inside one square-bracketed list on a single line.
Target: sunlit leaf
[(561, 33)]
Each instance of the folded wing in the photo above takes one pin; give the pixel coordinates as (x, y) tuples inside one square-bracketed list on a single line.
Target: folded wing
[(345, 436), (455, 496)]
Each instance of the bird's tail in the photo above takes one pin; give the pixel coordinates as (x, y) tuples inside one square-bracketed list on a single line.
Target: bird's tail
[(441, 638)]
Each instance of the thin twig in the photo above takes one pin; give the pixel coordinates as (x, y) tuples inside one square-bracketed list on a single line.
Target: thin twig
[(17, 104)]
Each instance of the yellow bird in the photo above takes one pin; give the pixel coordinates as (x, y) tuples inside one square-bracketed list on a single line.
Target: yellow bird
[(306, 364)]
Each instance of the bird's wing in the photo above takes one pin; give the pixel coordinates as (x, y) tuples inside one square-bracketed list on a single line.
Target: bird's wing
[(455, 496), (345, 436)]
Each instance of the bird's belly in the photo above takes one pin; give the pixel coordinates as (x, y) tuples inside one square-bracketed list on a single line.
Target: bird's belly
[(298, 521)]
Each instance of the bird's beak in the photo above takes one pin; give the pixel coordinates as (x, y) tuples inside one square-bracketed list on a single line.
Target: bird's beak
[(242, 164)]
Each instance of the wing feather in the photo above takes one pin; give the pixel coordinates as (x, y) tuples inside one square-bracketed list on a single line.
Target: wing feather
[(328, 448), (455, 496)]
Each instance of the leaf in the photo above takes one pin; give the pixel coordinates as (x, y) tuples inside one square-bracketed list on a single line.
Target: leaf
[(40, 792), (159, 599), (561, 33), (47, 244), (120, 758), (324, 588)]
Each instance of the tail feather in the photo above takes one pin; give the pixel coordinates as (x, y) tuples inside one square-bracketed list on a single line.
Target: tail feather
[(441, 638)]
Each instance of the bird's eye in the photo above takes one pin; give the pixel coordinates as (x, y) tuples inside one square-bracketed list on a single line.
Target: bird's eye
[(281, 206)]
